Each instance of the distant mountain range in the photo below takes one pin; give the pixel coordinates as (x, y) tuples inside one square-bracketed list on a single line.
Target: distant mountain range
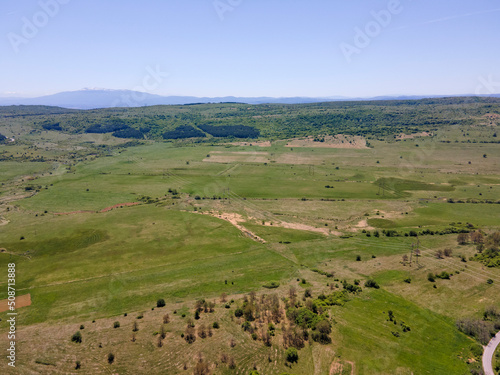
[(101, 98)]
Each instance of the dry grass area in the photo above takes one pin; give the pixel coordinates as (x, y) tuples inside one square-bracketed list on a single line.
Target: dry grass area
[(237, 157), (336, 141), (258, 144), (415, 135)]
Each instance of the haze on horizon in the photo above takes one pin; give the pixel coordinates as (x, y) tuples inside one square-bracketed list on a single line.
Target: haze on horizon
[(251, 48)]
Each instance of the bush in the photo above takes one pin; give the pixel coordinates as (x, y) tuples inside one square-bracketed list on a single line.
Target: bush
[(111, 358), (77, 337), (216, 325), (271, 285), (160, 303), (238, 312), (292, 355), (430, 277), (371, 284), (116, 325), (78, 365)]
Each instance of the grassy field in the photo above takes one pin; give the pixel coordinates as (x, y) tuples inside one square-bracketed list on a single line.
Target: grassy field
[(274, 213)]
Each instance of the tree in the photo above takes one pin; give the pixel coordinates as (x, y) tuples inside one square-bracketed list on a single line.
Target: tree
[(405, 259), (462, 238), (223, 297), (439, 254), (447, 252), (202, 331), (477, 237), (77, 337), (111, 358), (166, 319), (292, 355), (160, 303), (189, 335)]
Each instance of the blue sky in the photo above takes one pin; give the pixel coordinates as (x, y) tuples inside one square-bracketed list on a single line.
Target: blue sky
[(250, 47)]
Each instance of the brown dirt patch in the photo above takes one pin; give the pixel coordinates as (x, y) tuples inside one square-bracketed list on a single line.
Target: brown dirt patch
[(411, 136), (241, 156), (298, 226), (21, 301), (336, 141), (235, 219)]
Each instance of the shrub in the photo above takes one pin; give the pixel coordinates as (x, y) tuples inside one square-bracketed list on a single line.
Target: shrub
[(78, 365), (160, 303), (116, 325), (215, 325), (82, 326), (292, 355), (238, 312), (430, 277), (77, 337), (111, 358), (358, 258), (371, 284)]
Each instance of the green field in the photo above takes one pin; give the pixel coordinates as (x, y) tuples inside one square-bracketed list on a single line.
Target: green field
[(213, 216)]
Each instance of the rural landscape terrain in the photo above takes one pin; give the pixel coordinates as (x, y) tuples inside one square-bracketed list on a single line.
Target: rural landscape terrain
[(331, 238)]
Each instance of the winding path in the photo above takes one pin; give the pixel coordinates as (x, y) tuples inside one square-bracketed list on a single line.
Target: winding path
[(489, 352)]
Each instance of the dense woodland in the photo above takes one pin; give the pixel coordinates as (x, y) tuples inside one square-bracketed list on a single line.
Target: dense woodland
[(372, 119)]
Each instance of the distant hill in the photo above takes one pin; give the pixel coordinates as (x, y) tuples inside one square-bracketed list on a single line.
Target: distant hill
[(101, 98)]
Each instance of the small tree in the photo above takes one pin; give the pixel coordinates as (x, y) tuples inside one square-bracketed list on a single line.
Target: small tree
[(135, 327), (462, 238), (292, 355), (116, 325), (111, 358), (447, 252), (78, 365), (160, 303), (166, 319), (77, 337)]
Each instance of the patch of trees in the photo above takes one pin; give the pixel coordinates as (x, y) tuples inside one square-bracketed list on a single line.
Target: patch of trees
[(108, 128), (481, 329), (128, 132), (236, 131), (3, 138), (488, 248), (52, 126), (184, 131)]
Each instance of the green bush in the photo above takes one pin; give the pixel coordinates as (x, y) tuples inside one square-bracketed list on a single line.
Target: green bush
[(77, 337), (371, 284), (116, 325), (160, 303), (292, 355)]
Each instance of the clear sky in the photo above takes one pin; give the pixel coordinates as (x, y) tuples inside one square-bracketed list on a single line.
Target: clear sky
[(355, 48)]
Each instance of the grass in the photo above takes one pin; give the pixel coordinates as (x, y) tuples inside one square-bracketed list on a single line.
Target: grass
[(100, 265)]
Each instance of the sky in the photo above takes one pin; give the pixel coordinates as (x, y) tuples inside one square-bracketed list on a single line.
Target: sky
[(279, 48)]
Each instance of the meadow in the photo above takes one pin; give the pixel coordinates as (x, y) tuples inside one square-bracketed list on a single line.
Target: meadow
[(322, 214)]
